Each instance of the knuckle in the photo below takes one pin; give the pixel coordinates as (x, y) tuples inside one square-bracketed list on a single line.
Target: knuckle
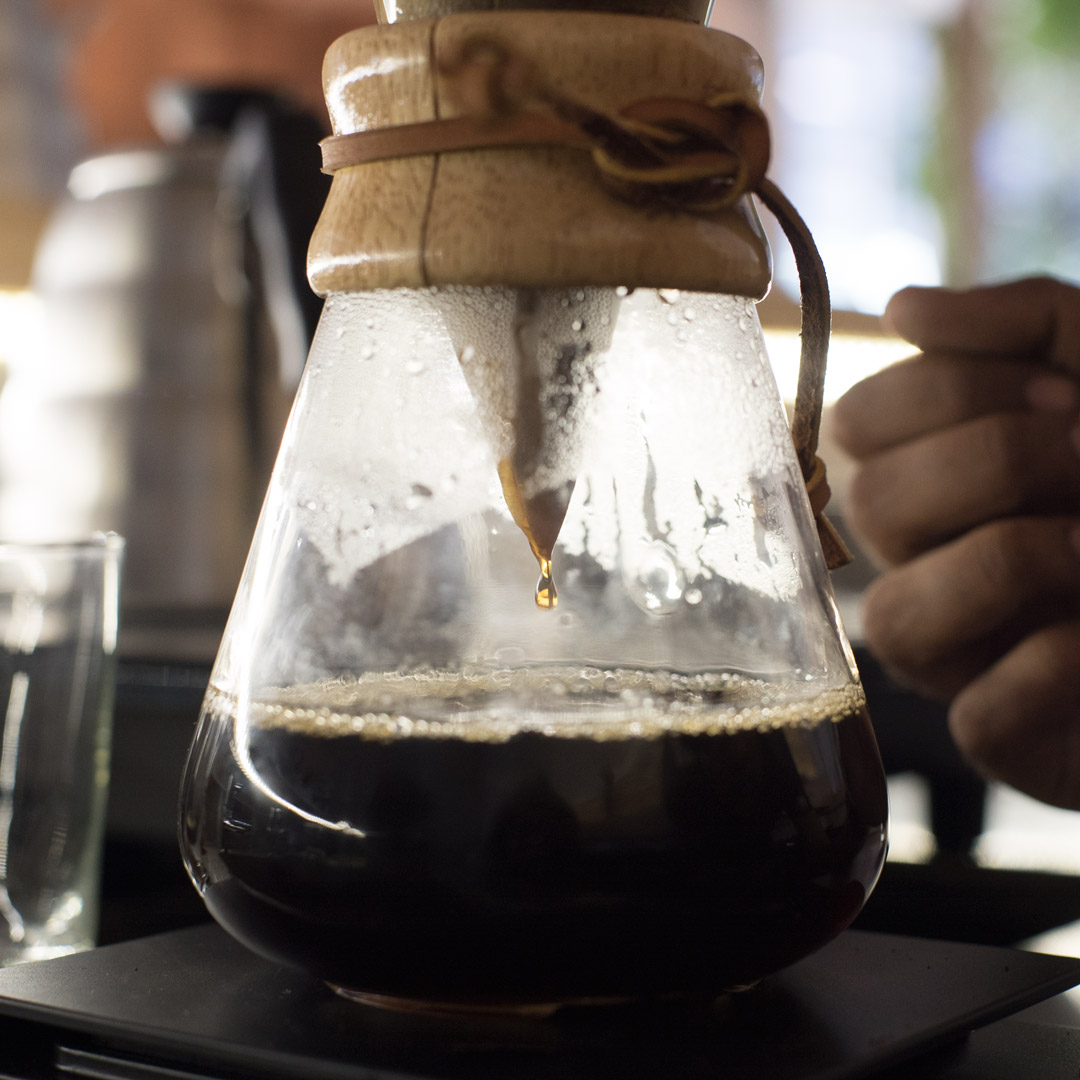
[(1026, 558), (1005, 459), (1000, 552)]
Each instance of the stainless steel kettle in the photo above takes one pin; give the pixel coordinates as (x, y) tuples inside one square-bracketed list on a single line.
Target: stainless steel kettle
[(176, 320)]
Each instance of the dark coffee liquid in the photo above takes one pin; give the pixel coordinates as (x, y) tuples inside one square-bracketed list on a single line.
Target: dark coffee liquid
[(478, 864)]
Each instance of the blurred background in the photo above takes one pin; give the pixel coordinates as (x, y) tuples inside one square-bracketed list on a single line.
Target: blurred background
[(159, 176)]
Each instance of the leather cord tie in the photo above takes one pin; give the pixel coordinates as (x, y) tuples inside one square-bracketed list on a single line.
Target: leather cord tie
[(697, 157)]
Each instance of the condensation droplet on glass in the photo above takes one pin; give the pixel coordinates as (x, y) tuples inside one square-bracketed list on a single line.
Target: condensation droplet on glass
[(669, 296), (509, 655), (367, 352), (621, 291), (692, 597), (577, 324), (657, 583), (564, 301), (579, 295), (468, 354), (566, 619), (339, 332), (744, 323), (422, 490), (689, 314), (414, 366)]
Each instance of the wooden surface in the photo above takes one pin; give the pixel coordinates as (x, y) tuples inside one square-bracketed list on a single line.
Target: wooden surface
[(534, 217)]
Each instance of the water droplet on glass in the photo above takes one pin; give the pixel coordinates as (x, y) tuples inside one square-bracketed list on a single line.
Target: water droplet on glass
[(468, 354), (579, 295), (621, 291), (577, 324), (692, 596), (414, 367), (669, 296), (657, 584), (689, 314), (744, 324), (422, 490)]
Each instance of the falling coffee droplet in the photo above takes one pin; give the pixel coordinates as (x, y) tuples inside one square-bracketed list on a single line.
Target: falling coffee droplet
[(540, 519), (546, 594)]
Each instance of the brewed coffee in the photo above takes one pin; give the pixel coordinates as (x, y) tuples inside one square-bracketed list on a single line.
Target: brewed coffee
[(647, 834)]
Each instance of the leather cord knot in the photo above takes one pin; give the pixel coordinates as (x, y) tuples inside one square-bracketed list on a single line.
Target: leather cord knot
[(696, 157)]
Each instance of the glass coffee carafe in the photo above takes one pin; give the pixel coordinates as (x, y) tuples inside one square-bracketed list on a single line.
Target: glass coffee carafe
[(534, 689)]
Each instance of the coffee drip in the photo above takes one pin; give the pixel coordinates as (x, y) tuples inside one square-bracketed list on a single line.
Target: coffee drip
[(529, 357)]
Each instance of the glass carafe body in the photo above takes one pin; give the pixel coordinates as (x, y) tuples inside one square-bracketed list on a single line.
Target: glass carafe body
[(416, 782)]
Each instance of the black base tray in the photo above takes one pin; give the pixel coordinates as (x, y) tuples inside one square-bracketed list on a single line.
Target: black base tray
[(194, 1004)]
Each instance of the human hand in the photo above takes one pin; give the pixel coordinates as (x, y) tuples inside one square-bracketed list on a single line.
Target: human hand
[(967, 491)]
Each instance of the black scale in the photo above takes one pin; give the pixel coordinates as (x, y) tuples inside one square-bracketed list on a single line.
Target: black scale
[(194, 1005)]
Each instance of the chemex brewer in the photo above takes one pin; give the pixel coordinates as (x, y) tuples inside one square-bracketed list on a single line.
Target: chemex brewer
[(423, 774)]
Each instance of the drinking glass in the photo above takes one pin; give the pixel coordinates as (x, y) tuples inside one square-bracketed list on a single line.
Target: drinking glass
[(58, 624)]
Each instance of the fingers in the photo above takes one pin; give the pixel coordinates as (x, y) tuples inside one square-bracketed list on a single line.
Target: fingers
[(924, 394), (905, 500), (1020, 721), (942, 619), (1035, 318)]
